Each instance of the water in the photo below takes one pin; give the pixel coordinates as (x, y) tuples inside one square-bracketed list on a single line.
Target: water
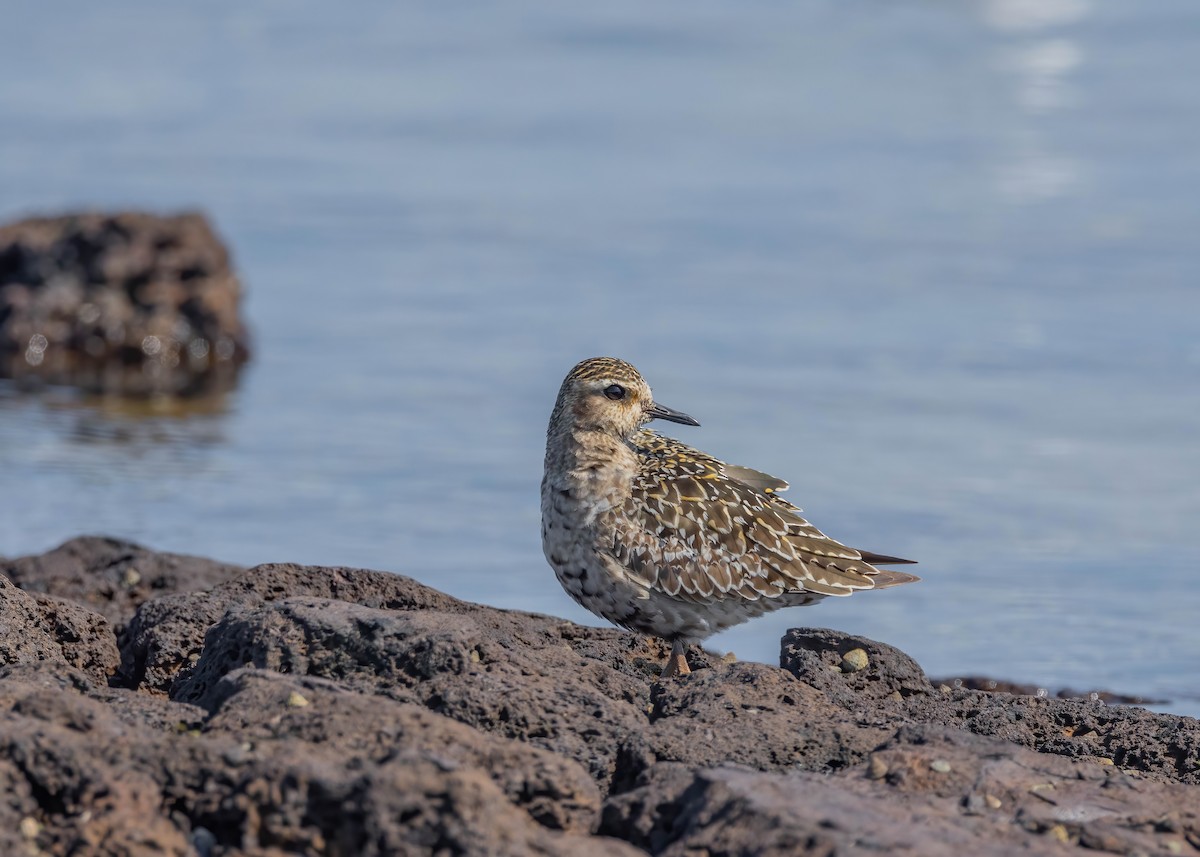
[(933, 263)]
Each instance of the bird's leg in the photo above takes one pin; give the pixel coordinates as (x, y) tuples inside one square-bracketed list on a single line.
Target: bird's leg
[(676, 664)]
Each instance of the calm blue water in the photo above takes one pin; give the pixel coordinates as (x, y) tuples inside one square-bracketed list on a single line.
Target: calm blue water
[(936, 264)]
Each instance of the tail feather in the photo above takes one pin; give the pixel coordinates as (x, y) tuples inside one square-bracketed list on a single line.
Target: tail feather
[(887, 577), (884, 559)]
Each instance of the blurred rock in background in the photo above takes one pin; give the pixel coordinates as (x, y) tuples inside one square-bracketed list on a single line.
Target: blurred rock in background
[(131, 304)]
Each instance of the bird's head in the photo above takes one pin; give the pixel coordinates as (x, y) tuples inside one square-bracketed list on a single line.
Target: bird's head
[(609, 395)]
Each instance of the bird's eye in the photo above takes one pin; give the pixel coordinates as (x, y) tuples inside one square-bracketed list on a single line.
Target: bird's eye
[(615, 392)]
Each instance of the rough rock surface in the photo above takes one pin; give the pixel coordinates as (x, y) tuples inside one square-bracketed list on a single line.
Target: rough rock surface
[(129, 303), (42, 629), (113, 576), (165, 637), (301, 710), (974, 682)]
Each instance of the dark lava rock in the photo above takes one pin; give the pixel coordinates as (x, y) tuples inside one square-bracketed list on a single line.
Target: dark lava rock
[(259, 705), (816, 657), (759, 716), (301, 710), (1162, 745), (893, 689), (280, 765), (993, 685), (112, 576), (42, 629), (128, 303), (167, 634), (924, 792), (508, 674)]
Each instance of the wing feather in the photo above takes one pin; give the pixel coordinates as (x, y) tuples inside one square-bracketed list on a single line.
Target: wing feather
[(713, 531)]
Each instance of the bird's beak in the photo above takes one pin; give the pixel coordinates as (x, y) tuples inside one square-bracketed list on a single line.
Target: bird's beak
[(662, 412)]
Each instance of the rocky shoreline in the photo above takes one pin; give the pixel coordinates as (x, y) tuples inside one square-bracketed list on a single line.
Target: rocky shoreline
[(157, 704)]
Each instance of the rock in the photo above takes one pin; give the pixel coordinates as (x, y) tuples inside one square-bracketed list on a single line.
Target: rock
[(341, 711), (83, 777), (112, 576), (141, 712), (854, 660), (1160, 744), (127, 303), (308, 784), (418, 805), (526, 683), (758, 715), (256, 706), (164, 639), (992, 685), (728, 809), (894, 689), (733, 810), (817, 657), (38, 628)]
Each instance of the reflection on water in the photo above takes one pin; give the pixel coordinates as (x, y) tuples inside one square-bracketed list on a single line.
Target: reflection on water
[(1043, 68), (58, 428), (933, 264), (1023, 16), (1041, 57)]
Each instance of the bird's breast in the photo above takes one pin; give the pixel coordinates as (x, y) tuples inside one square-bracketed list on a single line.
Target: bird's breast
[(587, 478), (584, 494)]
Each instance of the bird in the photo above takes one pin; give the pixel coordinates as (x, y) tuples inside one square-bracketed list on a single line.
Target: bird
[(662, 539)]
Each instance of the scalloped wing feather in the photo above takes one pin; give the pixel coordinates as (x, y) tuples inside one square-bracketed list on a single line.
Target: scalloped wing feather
[(710, 531)]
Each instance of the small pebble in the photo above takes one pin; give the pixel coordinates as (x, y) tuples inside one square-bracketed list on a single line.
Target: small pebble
[(1174, 846), (30, 827), (204, 841), (132, 577), (295, 700), (1104, 760), (877, 769), (854, 660), (1060, 833), (940, 765), (474, 656), (1041, 790), (993, 801)]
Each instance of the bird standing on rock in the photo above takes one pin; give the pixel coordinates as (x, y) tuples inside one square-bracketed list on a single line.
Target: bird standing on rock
[(663, 539)]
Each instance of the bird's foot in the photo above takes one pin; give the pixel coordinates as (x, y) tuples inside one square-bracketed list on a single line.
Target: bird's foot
[(676, 664)]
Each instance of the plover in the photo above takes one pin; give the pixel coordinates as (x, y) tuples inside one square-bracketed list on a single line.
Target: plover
[(665, 540)]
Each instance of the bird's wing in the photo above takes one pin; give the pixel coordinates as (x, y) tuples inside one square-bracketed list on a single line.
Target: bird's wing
[(704, 530)]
